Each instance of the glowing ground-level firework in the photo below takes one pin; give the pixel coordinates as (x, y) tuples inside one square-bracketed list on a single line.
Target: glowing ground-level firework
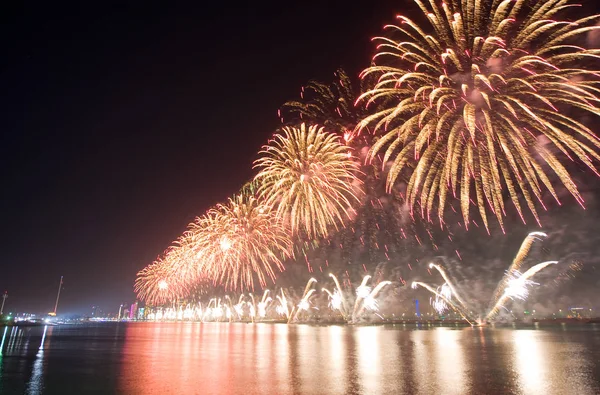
[(247, 309), (366, 300), (480, 103), (370, 302), (304, 303), (446, 300), (514, 285), (517, 286)]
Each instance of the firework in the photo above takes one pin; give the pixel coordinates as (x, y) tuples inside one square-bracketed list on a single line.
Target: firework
[(370, 301), (307, 175), (177, 273), (304, 304), (513, 285), (343, 308), (477, 107), (304, 301), (164, 281), (450, 288), (241, 241), (464, 314), (362, 291), (239, 308), (516, 264), (382, 225), (282, 307), (252, 308), (516, 286), (330, 105), (370, 304), (335, 300), (263, 304), (438, 303)]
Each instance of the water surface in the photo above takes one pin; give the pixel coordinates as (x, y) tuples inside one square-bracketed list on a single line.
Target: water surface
[(221, 358)]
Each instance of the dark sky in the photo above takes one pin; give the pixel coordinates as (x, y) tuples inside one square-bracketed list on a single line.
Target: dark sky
[(121, 123)]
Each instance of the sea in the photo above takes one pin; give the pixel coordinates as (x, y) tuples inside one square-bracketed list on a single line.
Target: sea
[(263, 358)]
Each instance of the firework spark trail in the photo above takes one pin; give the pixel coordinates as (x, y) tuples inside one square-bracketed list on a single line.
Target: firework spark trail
[(229, 308), (438, 303), (284, 305), (307, 177), (454, 307), (308, 285), (262, 307), (514, 288), (469, 108), (516, 264), (372, 302), (330, 105), (263, 304), (218, 311), (446, 278), (304, 304), (343, 308), (239, 310), (335, 300), (252, 308), (303, 300), (208, 312), (239, 307), (361, 292)]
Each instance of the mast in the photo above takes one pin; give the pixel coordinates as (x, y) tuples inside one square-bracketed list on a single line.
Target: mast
[(58, 295)]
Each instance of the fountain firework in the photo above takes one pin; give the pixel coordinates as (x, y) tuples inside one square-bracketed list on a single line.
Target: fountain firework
[(437, 302), (282, 308), (239, 307), (263, 304), (361, 292), (516, 264), (464, 314), (451, 289), (335, 300), (370, 302), (304, 304), (514, 285), (365, 298), (252, 308), (343, 308)]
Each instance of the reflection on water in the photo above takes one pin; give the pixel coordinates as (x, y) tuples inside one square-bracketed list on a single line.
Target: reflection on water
[(220, 358), (450, 361), (35, 384), (530, 362)]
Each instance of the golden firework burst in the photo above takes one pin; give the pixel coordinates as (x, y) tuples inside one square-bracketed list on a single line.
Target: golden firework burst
[(308, 176), (480, 103), (240, 241)]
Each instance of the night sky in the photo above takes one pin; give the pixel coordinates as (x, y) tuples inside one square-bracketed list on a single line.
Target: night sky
[(122, 123)]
